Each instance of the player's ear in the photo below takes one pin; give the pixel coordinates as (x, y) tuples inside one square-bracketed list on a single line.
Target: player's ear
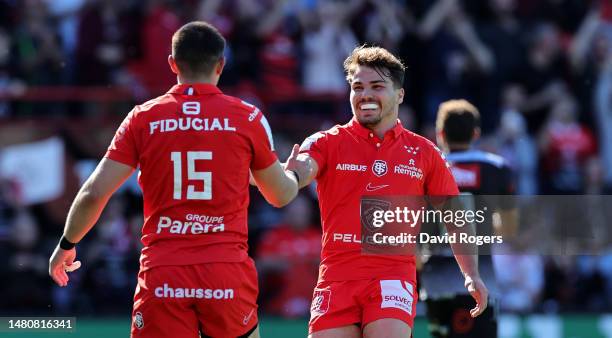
[(172, 63), (441, 139), (220, 65), (400, 96), (476, 134)]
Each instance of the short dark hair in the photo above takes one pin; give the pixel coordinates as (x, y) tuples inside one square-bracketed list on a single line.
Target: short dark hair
[(377, 58), (196, 47), (457, 119)]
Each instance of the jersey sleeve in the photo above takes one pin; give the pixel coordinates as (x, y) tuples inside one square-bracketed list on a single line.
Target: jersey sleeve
[(123, 146), (440, 180), (315, 146), (262, 143)]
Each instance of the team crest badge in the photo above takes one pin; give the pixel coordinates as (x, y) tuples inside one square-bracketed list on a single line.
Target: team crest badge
[(320, 302), (379, 168), (138, 320)]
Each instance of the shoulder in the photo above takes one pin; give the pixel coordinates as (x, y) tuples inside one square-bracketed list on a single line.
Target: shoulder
[(240, 106), (478, 156), (160, 102), (322, 136), (420, 143), (334, 131)]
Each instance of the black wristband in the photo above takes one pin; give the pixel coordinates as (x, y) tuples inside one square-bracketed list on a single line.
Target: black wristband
[(297, 177), (66, 244)]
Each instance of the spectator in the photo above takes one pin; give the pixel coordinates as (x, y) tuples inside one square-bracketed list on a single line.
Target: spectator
[(520, 279), (65, 14), (542, 74), (503, 34), (113, 260), (37, 51), (159, 23), (515, 144), (327, 40), (456, 56), (9, 204), (603, 113), (384, 24), (288, 258), (27, 268), (105, 40), (565, 146)]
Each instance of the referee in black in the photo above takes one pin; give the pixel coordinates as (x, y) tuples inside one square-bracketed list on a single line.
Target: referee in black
[(483, 178)]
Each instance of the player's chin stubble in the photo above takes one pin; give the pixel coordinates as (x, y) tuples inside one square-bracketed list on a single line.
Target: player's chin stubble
[(370, 122)]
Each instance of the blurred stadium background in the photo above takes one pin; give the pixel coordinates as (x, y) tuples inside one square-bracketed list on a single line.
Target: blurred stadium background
[(540, 72)]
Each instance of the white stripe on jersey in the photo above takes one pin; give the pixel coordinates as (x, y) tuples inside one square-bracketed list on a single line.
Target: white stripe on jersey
[(266, 125)]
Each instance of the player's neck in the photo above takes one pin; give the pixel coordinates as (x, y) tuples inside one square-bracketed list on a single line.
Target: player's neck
[(196, 80), (381, 128), (459, 147)]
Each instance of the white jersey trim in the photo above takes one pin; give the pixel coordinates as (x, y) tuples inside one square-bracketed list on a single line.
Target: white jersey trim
[(266, 125)]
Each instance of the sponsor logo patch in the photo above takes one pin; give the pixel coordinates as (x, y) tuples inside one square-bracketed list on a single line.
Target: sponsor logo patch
[(466, 175), (409, 170), (351, 167), (166, 291), (396, 294)]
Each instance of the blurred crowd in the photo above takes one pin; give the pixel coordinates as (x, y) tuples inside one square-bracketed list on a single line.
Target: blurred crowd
[(540, 71)]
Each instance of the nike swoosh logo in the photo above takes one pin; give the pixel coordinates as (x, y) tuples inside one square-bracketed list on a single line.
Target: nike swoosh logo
[(371, 187), (246, 319)]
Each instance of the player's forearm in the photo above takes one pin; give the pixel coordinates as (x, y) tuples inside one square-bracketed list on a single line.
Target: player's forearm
[(435, 18), (468, 265), (304, 182), (288, 191), (466, 254), (307, 169), (83, 214), (278, 186)]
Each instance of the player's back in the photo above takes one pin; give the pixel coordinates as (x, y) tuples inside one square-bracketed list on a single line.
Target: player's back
[(481, 173), (195, 147)]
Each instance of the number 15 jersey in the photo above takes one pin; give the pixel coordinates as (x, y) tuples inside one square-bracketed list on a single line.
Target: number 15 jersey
[(194, 147)]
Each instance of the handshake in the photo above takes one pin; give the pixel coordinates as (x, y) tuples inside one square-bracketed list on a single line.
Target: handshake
[(301, 165)]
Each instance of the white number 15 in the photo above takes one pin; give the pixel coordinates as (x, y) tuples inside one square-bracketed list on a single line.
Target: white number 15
[(192, 174)]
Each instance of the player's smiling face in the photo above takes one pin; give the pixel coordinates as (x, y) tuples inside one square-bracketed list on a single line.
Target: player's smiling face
[(373, 97)]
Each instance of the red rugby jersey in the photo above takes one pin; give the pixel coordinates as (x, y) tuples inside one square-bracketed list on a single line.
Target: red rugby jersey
[(354, 162), (194, 147)]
